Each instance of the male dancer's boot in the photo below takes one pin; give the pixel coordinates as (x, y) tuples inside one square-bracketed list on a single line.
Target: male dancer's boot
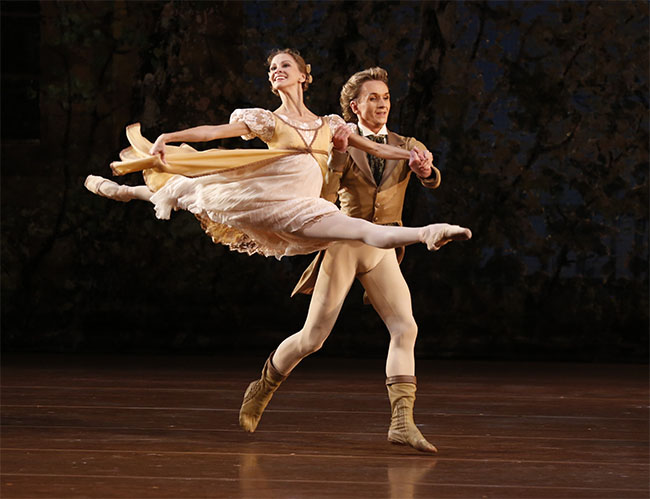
[(401, 392), (258, 394)]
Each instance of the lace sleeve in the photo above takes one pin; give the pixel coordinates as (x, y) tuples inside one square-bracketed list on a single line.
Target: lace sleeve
[(334, 121), (260, 122)]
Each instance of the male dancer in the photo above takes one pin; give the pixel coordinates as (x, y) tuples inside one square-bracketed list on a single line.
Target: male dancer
[(373, 189)]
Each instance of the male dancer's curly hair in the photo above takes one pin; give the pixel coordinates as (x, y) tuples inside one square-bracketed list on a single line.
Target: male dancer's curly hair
[(303, 67), (352, 87)]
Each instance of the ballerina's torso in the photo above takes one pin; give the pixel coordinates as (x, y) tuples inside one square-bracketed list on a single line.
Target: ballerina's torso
[(257, 207)]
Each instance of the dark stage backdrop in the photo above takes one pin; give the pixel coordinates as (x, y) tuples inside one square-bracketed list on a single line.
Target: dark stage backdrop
[(537, 114)]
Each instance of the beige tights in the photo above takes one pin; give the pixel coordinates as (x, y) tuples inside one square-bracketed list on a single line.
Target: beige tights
[(339, 227), (387, 290)]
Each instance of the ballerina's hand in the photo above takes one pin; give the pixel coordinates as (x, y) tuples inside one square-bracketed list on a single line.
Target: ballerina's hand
[(158, 148), (340, 138), (423, 168), (415, 160)]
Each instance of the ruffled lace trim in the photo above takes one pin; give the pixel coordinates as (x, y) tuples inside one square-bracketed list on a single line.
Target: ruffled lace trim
[(312, 125), (260, 122), (237, 240), (224, 234), (334, 121)]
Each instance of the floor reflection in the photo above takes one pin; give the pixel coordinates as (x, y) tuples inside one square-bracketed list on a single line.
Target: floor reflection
[(259, 474), (405, 477), (252, 480)]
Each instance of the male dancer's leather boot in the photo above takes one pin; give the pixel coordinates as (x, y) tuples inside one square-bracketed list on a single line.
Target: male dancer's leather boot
[(401, 392), (258, 394)]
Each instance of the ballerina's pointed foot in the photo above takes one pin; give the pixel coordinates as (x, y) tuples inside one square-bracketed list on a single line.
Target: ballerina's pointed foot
[(107, 188), (437, 235)]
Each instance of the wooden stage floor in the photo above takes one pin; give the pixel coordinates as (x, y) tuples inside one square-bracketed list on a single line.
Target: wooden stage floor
[(141, 427)]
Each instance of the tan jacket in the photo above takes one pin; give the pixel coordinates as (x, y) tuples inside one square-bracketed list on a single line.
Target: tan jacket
[(350, 179)]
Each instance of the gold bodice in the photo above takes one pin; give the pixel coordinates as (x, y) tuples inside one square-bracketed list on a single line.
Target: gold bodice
[(288, 137)]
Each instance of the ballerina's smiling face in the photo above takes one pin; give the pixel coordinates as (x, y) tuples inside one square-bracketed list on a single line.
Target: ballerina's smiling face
[(284, 72)]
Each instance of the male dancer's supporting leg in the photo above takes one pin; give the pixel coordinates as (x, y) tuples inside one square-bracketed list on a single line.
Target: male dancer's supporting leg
[(390, 295)]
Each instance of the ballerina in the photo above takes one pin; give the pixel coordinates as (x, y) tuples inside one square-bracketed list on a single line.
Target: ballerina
[(263, 201)]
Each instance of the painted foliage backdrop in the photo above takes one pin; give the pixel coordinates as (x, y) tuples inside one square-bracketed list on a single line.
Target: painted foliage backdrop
[(537, 114)]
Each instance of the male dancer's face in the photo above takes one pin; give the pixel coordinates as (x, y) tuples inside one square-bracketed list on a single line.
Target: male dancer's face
[(372, 105)]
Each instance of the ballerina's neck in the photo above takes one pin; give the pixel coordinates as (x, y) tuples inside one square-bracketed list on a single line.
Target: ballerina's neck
[(295, 109)]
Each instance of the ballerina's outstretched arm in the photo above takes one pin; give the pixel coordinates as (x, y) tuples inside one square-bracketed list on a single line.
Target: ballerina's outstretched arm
[(202, 133)]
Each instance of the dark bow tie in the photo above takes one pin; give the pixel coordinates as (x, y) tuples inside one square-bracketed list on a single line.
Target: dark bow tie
[(376, 164), (377, 138)]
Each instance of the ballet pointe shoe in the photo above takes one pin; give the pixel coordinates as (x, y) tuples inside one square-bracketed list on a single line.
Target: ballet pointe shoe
[(402, 431), (258, 395), (107, 188), (437, 235)]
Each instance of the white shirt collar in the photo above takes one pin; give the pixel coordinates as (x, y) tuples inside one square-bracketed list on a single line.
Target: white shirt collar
[(366, 131)]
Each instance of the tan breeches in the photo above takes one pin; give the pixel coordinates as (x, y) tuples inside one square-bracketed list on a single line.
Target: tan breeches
[(380, 275)]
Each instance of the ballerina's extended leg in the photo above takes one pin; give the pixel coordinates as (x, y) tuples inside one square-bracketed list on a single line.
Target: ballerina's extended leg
[(112, 190), (339, 227)]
